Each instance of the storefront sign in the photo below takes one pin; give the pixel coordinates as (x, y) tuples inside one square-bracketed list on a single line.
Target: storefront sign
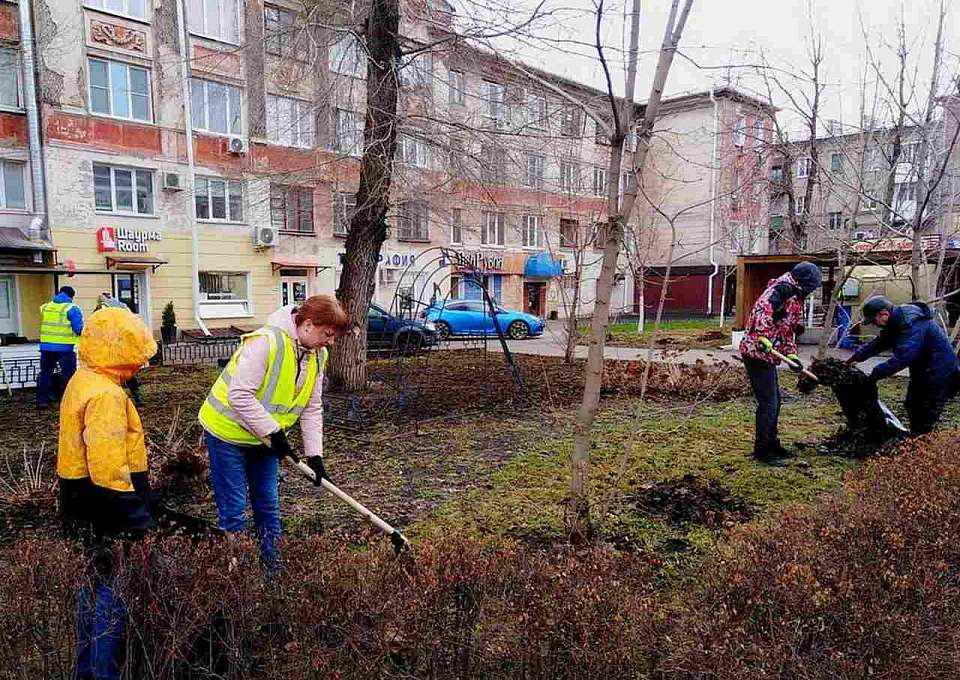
[(479, 260), (125, 240), (390, 260)]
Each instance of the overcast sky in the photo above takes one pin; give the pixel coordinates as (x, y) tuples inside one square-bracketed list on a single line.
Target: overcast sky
[(737, 32)]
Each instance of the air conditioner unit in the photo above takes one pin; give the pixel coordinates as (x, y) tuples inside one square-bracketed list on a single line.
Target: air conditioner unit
[(265, 237), (171, 182), (237, 146)]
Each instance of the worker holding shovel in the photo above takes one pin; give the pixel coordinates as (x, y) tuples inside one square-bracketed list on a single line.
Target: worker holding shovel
[(772, 325), (273, 380), (920, 344)]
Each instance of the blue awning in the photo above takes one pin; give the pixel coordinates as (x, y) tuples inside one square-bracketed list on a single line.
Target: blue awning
[(542, 266)]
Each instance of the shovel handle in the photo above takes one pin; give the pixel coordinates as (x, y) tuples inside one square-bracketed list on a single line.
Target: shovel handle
[(806, 372)]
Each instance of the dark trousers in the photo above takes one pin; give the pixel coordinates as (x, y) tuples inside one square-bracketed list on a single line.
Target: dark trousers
[(48, 361), (766, 390), (925, 403)]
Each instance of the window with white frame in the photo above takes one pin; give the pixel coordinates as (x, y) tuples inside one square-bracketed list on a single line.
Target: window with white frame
[(217, 19), (10, 79), (291, 208), (456, 227), (628, 182), (348, 133), (218, 199), (569, 176), (122, 190), (870, 201), (415, 152), (347, 56), (12, 193), (908, 152), (290, 122), (599, 181), (906, 192), (801, 205), (224, 295), (630, 141), (492, 227), (279, 29), (740, 131), (758, 133), (345, 205), (533, 177), (456, 88), (536, 111), (456, 156), (568, 233), (873, 158), (493, 163), (119, 90), (571, 122), (130, 8), (494, 104), (531, 227), (215, 107), (417, 71), (804, 165), (834, 220), (413, 220)]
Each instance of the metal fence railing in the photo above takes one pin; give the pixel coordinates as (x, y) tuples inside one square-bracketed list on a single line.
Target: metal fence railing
[(18, 373), (210, 352)]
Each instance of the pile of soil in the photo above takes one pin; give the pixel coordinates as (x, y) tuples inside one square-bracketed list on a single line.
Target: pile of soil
[(692, 500)]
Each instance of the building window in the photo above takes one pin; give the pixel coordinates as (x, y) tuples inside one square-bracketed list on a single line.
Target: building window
[(217, 19), (492, 163), (756, 192), (12, 194), (740, 131), (494, 107), (291, 208), (536, 111), (801, 206), (10, 79), (347, 57), (348, 135), (457, 88), (456, 156), (345, 205), (224, 295), (417, 72), (456, 227), (834, 220), (532, 231), (776, 174), (568, 233), (906, 193), (758, 133), (119, 90), (600, 136), (570, 122), (492, 228), (218, 199), (534, 174), (413, 221), (415, 152), (122, 190), (290, 122), (599, 181), (803, 167), (279, 30), (569, 176), (131, 8), (215, 107), (871, 202), (836, 162), (908, 152)]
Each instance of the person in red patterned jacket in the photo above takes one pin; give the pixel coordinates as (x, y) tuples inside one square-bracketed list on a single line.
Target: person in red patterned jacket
[(772, 324)]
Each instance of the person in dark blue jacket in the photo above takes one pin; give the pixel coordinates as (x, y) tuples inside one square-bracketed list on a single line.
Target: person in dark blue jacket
[(61, 323), (920, 344)]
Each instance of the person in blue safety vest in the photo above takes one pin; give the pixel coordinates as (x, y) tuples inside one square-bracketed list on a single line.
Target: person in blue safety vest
[(61, 323)]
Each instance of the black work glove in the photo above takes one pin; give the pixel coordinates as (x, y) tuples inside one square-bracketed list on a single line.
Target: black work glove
[(320, 472), (851, 361), (798, 329), (280, 447)]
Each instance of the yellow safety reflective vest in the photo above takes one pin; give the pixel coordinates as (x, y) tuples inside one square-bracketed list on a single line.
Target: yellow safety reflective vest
[(55, 327), (277, 393)]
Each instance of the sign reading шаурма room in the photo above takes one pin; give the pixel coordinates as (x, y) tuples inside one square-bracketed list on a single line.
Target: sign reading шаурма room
[(125, 240)]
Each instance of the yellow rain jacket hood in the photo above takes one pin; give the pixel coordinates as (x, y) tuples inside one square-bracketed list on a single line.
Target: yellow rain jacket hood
[(101, 456)]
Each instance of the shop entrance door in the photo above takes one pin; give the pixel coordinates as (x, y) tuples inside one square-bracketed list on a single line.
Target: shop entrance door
[(534, 298), (8, 305), (126, 289), (293, 290)]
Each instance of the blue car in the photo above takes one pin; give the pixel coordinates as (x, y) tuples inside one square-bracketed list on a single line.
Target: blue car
[(407, 336), (472, 317)]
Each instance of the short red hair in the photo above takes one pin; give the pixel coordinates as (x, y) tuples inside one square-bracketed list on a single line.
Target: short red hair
[(322, 310)]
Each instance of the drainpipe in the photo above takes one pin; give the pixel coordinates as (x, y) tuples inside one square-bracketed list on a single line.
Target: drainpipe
[(188, 126), (37, 227), (713, 203)]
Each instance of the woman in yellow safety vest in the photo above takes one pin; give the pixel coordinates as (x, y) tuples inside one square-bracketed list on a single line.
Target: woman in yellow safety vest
[(273, 380)]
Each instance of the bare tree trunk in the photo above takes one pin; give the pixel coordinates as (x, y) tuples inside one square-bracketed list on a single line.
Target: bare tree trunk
[(348, 363), (573, 335), (579, 525)]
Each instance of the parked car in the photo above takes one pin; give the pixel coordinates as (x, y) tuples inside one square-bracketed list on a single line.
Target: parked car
[(473, 317), (408, 336)]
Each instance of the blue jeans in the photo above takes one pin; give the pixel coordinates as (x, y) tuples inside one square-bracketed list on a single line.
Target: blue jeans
[(48, 361), (233, 470), (101, 623)]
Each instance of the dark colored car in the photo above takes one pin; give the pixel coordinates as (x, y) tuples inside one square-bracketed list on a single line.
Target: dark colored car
[(387, 332)]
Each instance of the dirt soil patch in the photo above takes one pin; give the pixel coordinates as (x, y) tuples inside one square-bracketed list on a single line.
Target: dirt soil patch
[(692, 500), (693, 338)]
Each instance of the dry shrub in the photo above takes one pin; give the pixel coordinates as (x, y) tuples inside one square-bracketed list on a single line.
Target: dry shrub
[(866, 583), (669, 380)]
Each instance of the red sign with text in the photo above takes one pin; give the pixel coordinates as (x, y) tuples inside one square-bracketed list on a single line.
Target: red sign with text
[(106, 240)]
